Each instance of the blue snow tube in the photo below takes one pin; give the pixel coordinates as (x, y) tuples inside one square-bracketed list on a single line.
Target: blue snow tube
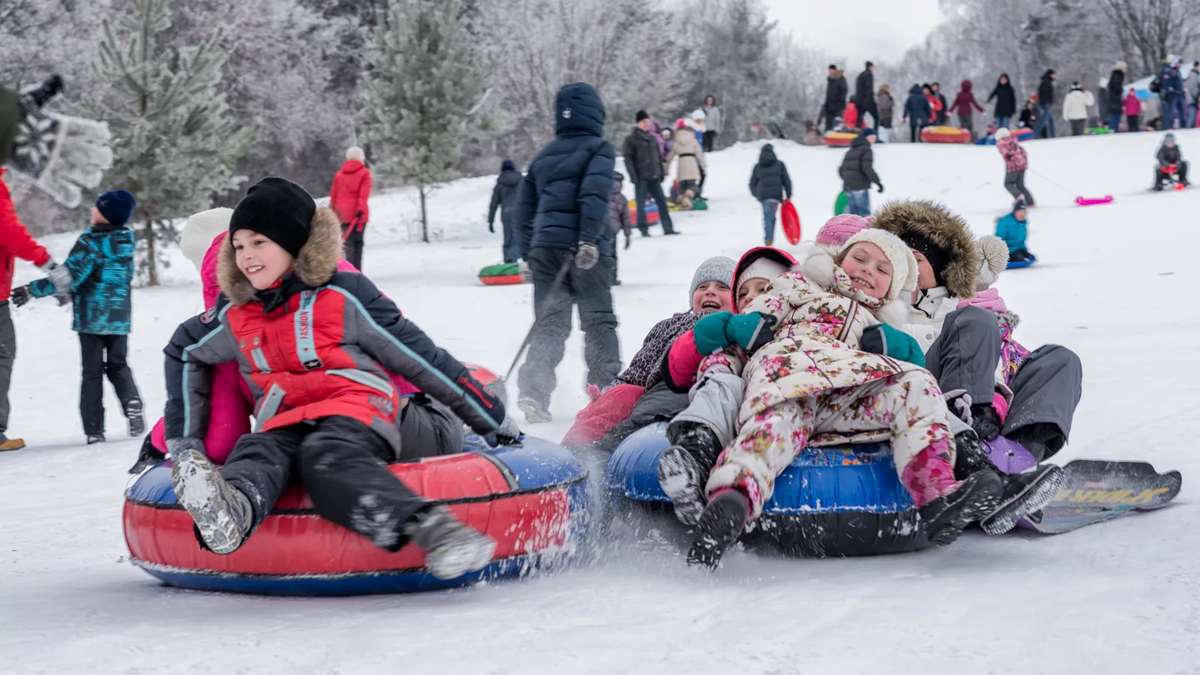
[(831, 502)]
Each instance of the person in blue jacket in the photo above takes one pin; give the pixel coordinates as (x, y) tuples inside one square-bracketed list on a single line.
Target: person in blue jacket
[(563, 226), (101, 266), (1011, 229), (1171, 91), (916, 112)]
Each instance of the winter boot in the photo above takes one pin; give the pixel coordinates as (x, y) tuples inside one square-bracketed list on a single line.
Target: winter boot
[(148, 456), (683, 469), (7, 444), (451, 548), (945, 517), (92, 439), (720, 525), (221, 512), (137, 421), (535, 413), (1023, 494), (985, 421), (970, 456), (1043, 440)]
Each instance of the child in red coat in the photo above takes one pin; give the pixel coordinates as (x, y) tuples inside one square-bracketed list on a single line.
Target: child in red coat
[(314, 344)]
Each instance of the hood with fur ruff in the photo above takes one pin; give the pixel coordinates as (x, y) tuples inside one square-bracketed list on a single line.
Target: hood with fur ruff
[(945, 229), (314, 266)]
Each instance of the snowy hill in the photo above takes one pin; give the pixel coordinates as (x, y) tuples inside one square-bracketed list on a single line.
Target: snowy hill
[(1116, 284)]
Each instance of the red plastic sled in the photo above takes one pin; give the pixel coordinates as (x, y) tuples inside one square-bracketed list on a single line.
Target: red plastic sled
[(1092, 201), (791, 222)]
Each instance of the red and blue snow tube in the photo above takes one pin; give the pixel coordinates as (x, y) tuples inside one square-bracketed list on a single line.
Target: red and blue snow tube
[(531, 498), (651, 208)]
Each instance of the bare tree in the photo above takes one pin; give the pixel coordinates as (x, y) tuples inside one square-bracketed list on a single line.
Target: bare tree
[(1154, 28)]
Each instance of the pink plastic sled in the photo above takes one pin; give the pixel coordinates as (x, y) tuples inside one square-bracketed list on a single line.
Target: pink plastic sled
[(1092, 201)]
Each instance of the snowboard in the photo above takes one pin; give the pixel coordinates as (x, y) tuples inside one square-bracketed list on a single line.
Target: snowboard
[(1094, 491)]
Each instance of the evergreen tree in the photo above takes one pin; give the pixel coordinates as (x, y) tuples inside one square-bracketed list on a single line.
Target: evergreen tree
[(174, 141), (427, 82)]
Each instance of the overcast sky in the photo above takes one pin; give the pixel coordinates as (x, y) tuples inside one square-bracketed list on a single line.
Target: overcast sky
[(857, 30)]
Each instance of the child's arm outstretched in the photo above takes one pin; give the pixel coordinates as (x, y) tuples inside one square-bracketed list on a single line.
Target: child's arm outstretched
[(80, 263), (402, 348)]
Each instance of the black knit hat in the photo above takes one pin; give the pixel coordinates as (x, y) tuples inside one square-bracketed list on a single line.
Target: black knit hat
[(278, 209), (641, 115), (937, 256)]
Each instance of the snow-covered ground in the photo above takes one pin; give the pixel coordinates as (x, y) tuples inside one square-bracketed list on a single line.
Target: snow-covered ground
[(1116, 283)]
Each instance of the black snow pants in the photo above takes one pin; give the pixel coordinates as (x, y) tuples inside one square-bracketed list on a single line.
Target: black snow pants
[(352, 244), (652, 188), (342, 464), (1014, 182), (590, 290), (1046, 388), (103, 355), (428, 429)]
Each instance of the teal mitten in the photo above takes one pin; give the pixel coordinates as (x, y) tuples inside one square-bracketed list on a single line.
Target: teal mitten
[(709, 333), (883, 339), (751, 331)]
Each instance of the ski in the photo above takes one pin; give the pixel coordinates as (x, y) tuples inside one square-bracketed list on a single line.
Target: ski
[(1094, 491)]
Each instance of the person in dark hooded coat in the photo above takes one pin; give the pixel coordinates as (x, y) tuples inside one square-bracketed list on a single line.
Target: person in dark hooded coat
[(1006, 101), (504, 199), (1116, 92), (864, 95), (770, 184), (562, 225), (917, 112), (836, 91)]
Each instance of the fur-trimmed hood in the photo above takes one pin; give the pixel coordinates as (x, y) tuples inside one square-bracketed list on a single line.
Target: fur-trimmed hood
[(945, 229), (314, 266)]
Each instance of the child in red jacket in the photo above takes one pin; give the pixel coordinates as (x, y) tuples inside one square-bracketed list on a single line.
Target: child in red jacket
[(314, 344)]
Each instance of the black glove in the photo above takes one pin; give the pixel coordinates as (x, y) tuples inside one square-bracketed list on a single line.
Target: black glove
[(148, 456), (21, 295), (47, 90), (492, 227), (587, 256), (880, 187), (628, 242)]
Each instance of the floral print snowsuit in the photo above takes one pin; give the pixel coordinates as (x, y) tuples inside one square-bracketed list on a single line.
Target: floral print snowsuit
[(812, 379)]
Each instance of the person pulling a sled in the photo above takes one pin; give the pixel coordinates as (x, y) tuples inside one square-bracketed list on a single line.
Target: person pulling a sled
[(314, 343), (1172, 167)]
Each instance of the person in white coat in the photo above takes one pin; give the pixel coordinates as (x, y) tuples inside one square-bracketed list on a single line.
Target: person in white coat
[(1075, 108)]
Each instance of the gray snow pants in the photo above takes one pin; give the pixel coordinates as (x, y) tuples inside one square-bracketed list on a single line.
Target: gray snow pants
[(658, 404), (1046, 388), (590, 290), (428, 429), (716, 399), (8, 354)]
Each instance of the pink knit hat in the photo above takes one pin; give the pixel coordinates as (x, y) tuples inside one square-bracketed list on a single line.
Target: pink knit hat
[(841, 228)]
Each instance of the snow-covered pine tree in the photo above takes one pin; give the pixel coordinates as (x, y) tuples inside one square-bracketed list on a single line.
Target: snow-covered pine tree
[(425, 84), (174, 141)]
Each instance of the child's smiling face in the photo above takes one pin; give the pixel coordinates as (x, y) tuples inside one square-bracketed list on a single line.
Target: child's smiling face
[(711, 296), (749, 290), (869, 269), (259, 258)]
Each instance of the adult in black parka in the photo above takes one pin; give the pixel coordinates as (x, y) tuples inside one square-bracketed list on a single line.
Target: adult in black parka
[(1116, 94), (864, 96), (836, 90), (562, 221), (1006, 100)]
